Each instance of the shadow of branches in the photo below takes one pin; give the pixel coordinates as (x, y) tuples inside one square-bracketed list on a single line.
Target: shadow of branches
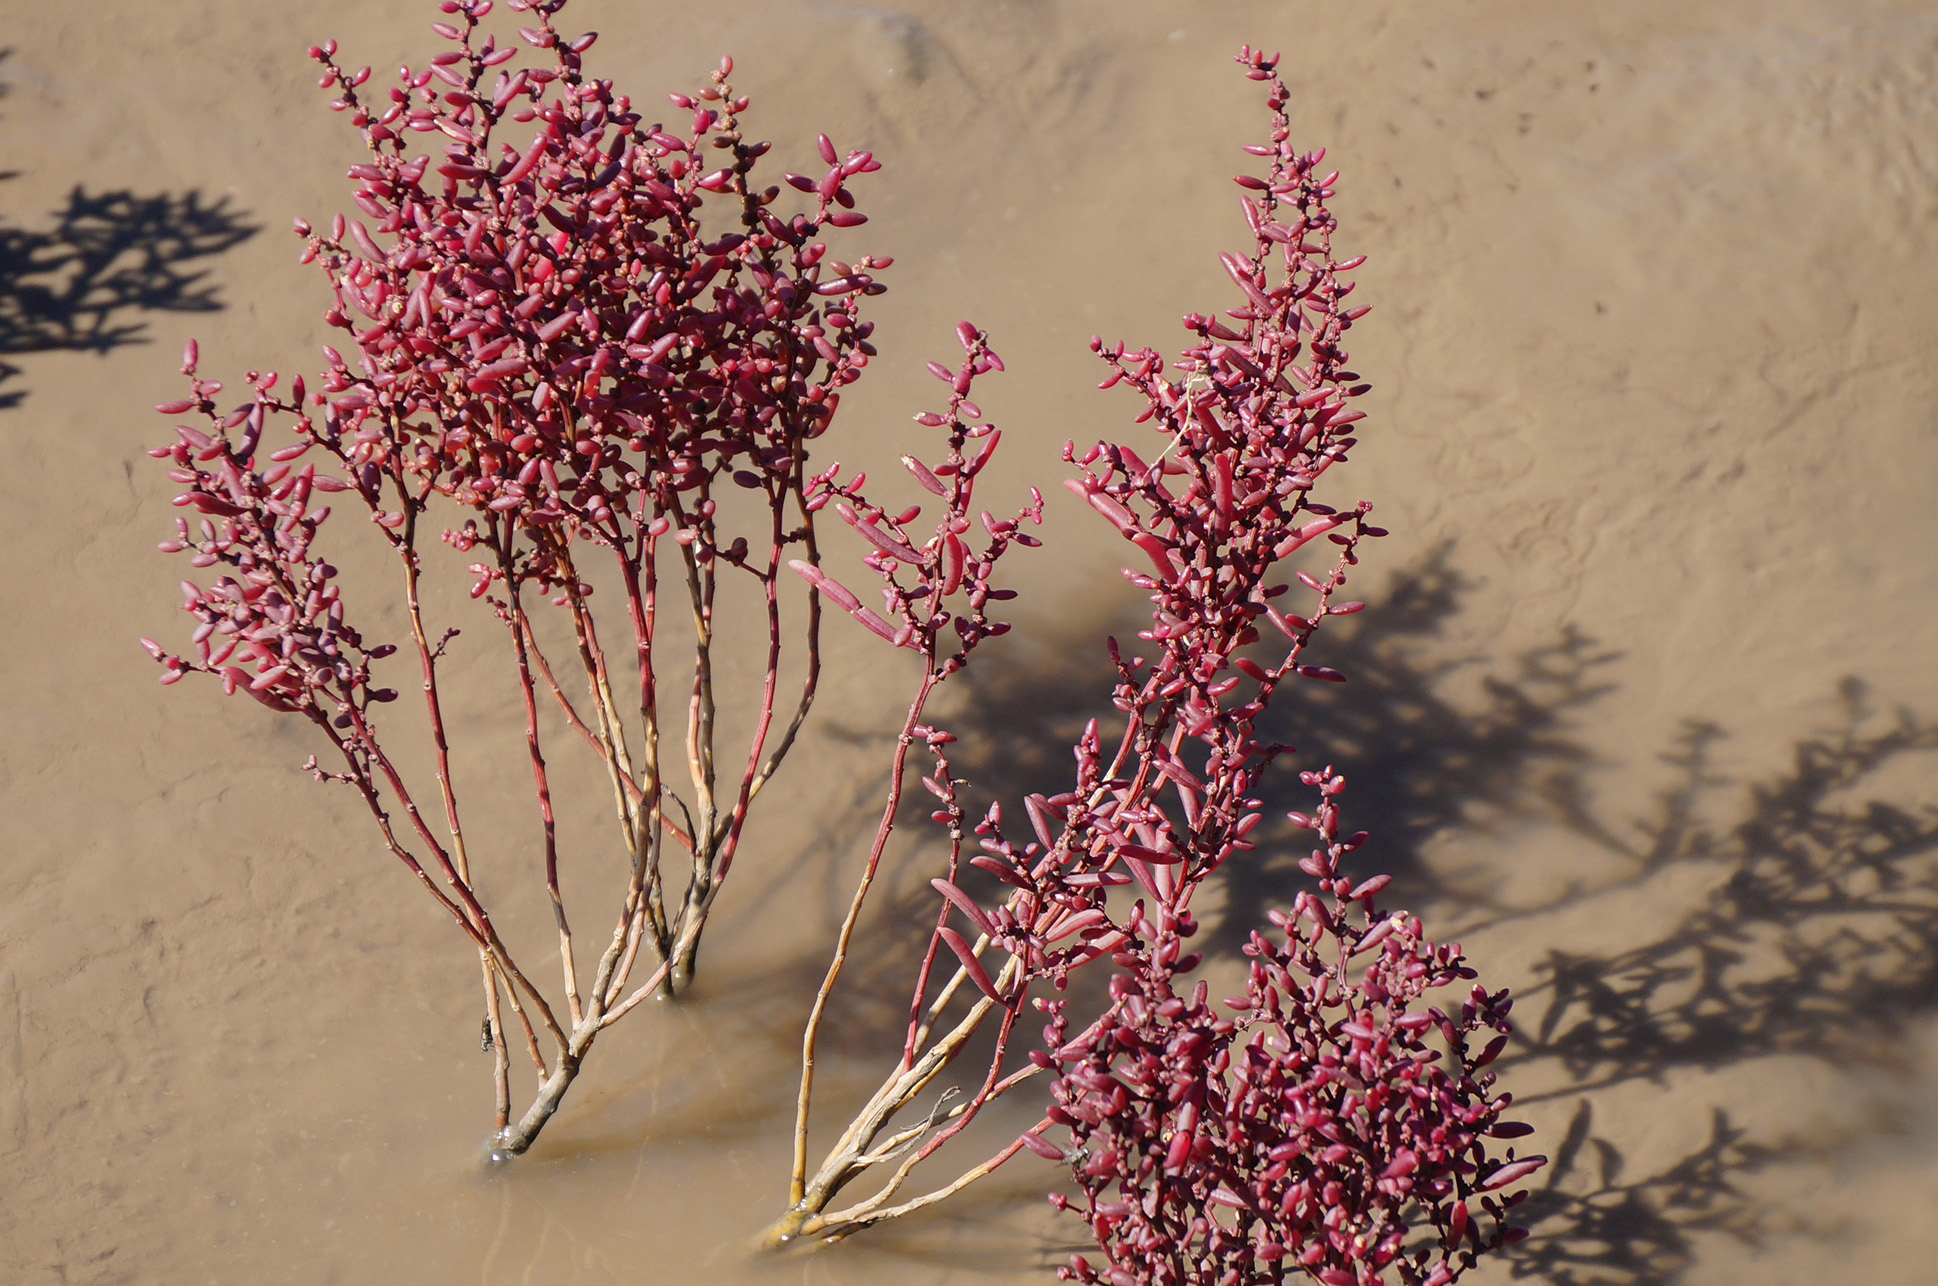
[(1817, 937), (81, 283), (1594, 1227), (1820, 936)]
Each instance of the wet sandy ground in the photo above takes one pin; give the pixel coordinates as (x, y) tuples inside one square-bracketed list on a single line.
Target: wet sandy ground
[(1646, 713)]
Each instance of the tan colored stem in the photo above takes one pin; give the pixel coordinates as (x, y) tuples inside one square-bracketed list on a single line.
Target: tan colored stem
[(797, 1186)]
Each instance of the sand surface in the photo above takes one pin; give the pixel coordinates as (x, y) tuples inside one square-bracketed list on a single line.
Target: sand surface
[(1646, 710)]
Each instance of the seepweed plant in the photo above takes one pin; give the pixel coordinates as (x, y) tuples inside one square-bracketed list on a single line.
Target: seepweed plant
[(553, 341), (558, 345), (1335, 1115)]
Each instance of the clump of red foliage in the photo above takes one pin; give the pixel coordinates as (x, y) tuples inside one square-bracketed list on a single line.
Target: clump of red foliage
[(1328, 1116), (1336, 1116), (555, 339), (1320, 1122)]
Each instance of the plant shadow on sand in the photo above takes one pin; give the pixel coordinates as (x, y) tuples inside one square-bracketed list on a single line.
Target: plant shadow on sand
[(1816, 935), (1818, 938), (81, 283)]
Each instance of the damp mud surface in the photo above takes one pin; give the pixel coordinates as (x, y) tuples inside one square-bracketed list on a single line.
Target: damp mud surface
[(1644, 710)]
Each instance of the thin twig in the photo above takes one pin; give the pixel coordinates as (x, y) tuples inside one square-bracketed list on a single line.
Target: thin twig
[(797, 1186)]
